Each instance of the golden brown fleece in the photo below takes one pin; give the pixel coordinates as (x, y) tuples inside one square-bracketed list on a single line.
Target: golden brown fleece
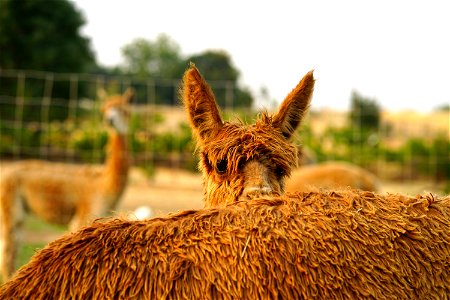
[(243, 161), (318, 245), (65, 193), (332, 175)]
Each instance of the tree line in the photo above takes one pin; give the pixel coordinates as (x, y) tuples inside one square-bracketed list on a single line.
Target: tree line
[(45, 36)]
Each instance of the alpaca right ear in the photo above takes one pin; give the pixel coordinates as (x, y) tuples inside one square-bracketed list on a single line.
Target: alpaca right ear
[(294, 107), (200, 104)]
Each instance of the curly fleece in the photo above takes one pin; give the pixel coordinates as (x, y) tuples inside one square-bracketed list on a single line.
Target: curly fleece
[(317, 245)]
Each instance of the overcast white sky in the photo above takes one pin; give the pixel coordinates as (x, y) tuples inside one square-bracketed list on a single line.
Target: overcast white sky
[(396, 51)]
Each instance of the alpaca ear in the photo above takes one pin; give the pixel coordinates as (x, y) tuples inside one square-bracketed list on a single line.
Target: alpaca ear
[(294, 107), (128, 95), (199, 102)]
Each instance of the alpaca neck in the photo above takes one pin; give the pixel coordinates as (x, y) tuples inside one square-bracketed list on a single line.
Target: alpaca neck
[(116, 169)]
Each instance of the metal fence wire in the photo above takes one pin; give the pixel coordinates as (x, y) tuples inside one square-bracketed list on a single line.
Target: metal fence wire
[(56, 117)]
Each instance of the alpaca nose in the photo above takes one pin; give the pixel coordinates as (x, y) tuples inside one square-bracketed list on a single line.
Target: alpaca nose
[(255, 191), (109, 117), (256, 180)]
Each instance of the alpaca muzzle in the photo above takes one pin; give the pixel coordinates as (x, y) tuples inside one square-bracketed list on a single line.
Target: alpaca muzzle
[(256, 181), (255, 192)]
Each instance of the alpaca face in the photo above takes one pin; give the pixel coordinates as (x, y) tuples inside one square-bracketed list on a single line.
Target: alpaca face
[(115, 112), (117, 118), (240, 161), (243, 162)]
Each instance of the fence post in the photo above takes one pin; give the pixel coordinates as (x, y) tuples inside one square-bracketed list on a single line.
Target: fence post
[(20, 99), (46, 100)]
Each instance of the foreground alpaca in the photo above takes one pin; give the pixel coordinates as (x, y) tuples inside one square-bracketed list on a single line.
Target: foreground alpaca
[(64, 193), (318, 245), (243, 161), (350, 244), (331, 176)]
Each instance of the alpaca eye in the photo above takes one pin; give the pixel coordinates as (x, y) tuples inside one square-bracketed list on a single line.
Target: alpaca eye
[(280, 172), (221, 166)]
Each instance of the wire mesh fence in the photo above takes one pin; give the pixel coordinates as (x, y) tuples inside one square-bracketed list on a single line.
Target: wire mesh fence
[(56, 117)]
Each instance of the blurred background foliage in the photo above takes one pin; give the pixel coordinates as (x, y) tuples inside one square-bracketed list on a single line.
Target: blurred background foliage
[(44, 36)]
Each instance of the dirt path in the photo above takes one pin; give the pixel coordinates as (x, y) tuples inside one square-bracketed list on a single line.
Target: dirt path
[(168, 191)]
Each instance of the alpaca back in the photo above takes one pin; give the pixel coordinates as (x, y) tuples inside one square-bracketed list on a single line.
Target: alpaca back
[(332, 176), (65, 187), (350, 244)]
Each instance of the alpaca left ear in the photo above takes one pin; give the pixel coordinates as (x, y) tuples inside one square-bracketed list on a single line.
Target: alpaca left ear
[(292, 110), (128, 95), (200, 105)]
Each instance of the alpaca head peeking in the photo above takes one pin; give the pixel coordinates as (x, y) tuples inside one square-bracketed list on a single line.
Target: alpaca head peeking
[(115, 110), (240, 161)]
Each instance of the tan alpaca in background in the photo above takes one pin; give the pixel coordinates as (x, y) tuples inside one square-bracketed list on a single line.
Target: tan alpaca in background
[(329, 175), (243, 161), (65, 193), (332, 175)]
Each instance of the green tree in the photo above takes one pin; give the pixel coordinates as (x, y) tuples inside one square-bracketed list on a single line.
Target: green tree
[(215, 65), (162, 61), (362, 134), (364, 112), (441, 151), (43, 35), (145, 58), (218, 70), (159, 60), (443, 107)]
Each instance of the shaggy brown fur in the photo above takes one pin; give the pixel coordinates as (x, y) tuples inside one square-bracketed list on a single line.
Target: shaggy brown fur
[(332, 176), (64, 193), (346, 245), (243, 161)]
